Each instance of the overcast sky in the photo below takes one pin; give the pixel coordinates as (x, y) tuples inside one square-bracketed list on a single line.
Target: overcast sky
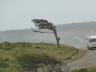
[(17, 14)]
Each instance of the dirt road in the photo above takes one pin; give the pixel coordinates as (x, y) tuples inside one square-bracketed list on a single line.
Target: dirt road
[(89, 59)]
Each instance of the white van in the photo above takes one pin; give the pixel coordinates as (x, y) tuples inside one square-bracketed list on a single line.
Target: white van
[(91, 42)]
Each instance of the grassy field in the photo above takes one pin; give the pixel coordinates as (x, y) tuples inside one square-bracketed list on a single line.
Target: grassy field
[(9, 52), (90, 69)]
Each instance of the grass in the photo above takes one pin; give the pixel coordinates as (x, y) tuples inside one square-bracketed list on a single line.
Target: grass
[(9, 51), (89, 69)]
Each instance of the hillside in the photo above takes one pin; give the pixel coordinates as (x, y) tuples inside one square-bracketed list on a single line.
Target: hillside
[(72, 34), (32, 55)]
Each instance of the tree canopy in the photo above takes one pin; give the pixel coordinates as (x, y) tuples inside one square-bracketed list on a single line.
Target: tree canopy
[(44, 24)]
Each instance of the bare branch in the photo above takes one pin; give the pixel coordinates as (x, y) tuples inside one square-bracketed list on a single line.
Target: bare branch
[(42, 32)]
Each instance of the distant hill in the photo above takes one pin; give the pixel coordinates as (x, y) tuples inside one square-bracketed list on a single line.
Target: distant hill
[(72, 34)]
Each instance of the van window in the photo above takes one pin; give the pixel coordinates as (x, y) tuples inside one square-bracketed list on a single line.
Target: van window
[(93, 40)]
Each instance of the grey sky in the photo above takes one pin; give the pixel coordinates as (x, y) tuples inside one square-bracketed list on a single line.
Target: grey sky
[(17, 14)]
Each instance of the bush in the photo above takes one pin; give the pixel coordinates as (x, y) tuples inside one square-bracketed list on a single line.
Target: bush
[(3, 63), (7, 48), (6, 59), (1, 47), (83, 70), (33, 62)]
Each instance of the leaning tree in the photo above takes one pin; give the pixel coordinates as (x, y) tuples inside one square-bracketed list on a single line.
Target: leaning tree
[(44, 24)]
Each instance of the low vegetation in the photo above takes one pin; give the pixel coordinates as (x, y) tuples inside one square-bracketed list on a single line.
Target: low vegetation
[(14, 56), (90, 69)]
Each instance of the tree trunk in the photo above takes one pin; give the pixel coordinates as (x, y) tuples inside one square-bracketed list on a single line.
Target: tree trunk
[(56, 38)]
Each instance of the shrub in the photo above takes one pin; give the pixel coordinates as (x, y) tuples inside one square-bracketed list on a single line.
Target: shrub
[(1, 47), (83, 70), (7, 48), (3, 63), (6, 59), (33, 62)]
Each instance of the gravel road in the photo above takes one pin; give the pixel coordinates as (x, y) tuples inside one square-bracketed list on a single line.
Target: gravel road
[(88, 60)]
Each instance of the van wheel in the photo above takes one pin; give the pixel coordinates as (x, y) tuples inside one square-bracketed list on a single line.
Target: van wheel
[(90, 48)]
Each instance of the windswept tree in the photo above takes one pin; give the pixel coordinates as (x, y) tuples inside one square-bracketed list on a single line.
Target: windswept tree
[(44, 24)]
